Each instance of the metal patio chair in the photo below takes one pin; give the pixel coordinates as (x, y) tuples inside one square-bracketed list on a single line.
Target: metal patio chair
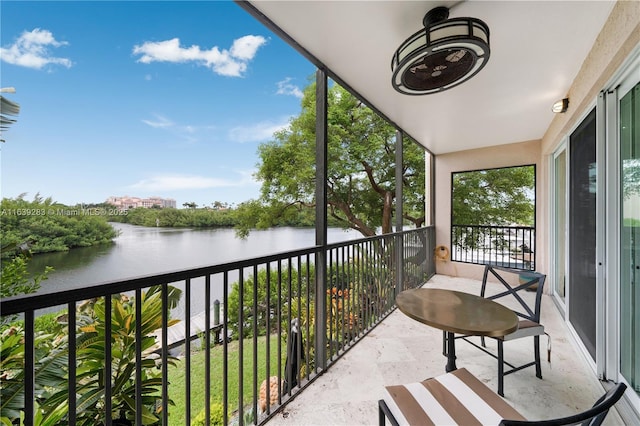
[(528, 312)]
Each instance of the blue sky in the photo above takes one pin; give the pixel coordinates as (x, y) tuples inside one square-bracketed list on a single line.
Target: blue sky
[(151, 98)]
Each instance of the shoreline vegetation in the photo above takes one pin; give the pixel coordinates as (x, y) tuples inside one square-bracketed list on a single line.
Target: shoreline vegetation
[(42, 225)]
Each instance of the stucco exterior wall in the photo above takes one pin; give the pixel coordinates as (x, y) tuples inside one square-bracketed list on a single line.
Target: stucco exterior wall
[(517, 154), (618, 38)]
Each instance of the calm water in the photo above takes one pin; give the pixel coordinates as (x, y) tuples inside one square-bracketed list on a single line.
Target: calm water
[(141, 251)]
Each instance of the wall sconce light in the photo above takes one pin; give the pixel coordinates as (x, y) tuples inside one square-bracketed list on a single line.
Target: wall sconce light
[(561, 106)]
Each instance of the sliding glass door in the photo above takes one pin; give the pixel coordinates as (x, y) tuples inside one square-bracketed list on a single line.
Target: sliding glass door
[(582, 231), (629, 167), (560, 224)]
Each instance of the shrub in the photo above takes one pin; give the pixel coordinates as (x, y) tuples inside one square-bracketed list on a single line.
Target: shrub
[(216, 416), (48, 323)]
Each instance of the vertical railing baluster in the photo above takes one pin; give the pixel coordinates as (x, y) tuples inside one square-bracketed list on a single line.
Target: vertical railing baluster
[(475, 242), (308, 325), (346, 301), (386, 273), (138, 333), (268, 338), (298, 341), (398, 243), (380, 270), (340, 299), (404, 266), (365, 274), (370, 275), (493, 253), (108, 358), (321, 308), (71, 380), (29, 367), (279, 326), (358, 285), (207, 351), (472, 242), (225, 348), (187, 351), (290, 309), (531, 253), (521, 256), (255, 343), (330, 288), (241, 347), (165, 354)]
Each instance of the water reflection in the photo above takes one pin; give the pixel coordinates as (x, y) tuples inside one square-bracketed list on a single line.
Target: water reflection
[(142, 250)]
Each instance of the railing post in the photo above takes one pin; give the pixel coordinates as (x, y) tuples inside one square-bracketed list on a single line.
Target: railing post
[(29, 366), (321, 220), (399, 260)]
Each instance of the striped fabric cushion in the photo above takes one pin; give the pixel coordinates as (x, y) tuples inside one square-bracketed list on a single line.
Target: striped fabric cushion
[(456, 398)]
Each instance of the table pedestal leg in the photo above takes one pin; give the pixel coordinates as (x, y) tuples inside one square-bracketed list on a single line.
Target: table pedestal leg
[(451, 352)]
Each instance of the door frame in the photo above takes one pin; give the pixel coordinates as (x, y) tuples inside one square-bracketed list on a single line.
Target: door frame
[(622, 81), (625, 80)]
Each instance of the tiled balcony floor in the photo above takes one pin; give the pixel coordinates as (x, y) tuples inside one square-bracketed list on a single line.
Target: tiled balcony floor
[(401, 350)]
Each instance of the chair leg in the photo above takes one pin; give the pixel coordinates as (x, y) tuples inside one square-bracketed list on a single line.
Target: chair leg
[(536, 353), (484, 345), (500, 368), (384, 413), (444, 343)]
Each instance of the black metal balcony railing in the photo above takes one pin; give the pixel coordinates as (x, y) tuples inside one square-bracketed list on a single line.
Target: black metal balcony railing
[(122, 331), (508, 246)]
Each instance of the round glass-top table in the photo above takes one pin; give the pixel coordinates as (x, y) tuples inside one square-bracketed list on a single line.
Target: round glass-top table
[(457, 312)]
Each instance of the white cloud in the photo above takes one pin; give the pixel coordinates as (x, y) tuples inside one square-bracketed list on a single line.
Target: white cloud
[(257, 132), (179, 182), (160, 122), (232, 63), (245, 48), (32, 50), (286, 88)]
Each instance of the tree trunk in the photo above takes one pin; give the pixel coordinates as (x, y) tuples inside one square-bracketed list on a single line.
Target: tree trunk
[(386, 212)]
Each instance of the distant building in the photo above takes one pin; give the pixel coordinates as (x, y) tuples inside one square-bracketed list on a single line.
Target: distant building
[(126, 202)]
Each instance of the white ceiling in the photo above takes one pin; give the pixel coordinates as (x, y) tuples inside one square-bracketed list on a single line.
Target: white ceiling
[(537, 48)]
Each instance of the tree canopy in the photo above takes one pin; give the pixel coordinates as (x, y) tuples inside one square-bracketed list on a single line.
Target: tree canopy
[(501, 197), (49, 226), (361, 169)]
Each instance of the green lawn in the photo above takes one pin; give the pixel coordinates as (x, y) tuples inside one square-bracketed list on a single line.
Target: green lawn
[(177, 376)]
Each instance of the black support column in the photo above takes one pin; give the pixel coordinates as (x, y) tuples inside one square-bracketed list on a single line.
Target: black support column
[(321, 219)]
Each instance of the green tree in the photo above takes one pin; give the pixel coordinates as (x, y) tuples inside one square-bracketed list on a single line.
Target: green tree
[(50, 226), (361, 169), (499, 197), (631, 177), (15, 279), (9, 109), (290, 280)]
